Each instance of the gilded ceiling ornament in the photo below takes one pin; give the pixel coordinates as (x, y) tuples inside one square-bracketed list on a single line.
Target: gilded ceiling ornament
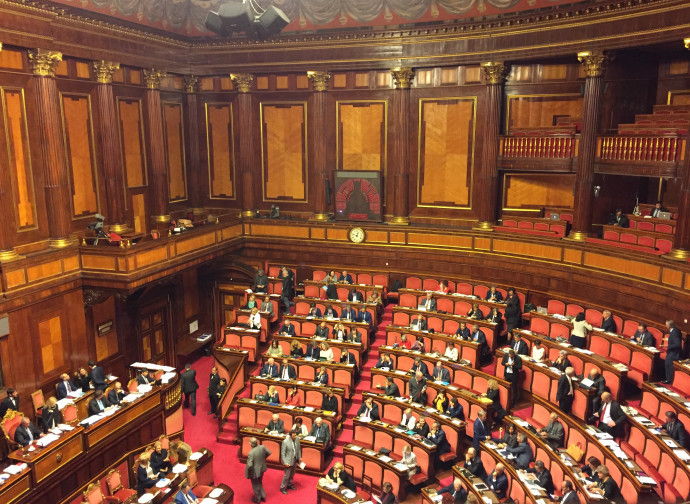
[(495, 72), (243, 82), (44, 62), (153, 78), (402, 77), (319, 79), (191, 83), (593, 62), (104, 71)]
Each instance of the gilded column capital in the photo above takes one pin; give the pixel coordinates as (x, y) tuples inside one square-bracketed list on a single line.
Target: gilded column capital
[(402, 77), (495, 72), (243, 82), (319, 79), (44, 62), (153, 78), (686, 41), (191, 83), (104, 71), (593, 62)]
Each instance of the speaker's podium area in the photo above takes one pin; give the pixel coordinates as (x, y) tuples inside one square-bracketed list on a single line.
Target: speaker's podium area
[(446, 243)]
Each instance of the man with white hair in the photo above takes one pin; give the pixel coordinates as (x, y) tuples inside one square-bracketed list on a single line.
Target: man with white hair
[(456, 490), (256, 467), (566, 391), (320, 431)]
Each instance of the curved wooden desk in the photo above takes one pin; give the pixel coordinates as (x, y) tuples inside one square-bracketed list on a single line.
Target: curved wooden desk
[(376, 467), (302, 304), (313, 454), (338, 346), (306, 327), (468, 350), (339, 375)]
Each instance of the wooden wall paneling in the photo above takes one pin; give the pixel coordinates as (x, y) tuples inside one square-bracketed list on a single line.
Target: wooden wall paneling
[(284, 151), (175, 150), (446, 153), (220, 150), (535, 110), (12, 59), (190, 294), (106, 344), (536, 190), (81, 158), (132, 141), (362, 135)]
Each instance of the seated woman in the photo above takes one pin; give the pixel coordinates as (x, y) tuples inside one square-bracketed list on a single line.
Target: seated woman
[(330, 401), (421, 428), (326, 352), (299, 427), (538, 351), (274, 350), (418, 345), (160, 461), (272, 395), (451, 352), (404, 342), (332, 276), (508, 437), (296, 350), (255, 319), (82, 380), (607, 486), (454, 409), (338, 475), (441, 402), (146, 476), (251, 302), (374, 298), (443, 287), (293, 397), (494, 316), (409, 459), (493, 394), (590, 469), (339, 332), (322, 376)]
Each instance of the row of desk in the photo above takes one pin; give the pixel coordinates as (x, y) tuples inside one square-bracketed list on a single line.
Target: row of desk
[(467, 350)]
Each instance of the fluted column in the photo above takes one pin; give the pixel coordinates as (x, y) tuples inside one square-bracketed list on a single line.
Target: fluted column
[(8, 226), (52, 146), (243, 83), (319, 139), (487, 205), (594, 63), (191, 86), (110, 146), (681, 240), (156, 142), (400, 150)]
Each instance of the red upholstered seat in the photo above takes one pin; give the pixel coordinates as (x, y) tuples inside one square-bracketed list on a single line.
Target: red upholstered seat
[(430, 284), (408, 300), (593, 317), (664, 245), (364, 278), (480, 291), (200, 491), (539, 326), (663, 228), (413, 283), (525, 225), (116, 487), (510, 223), (463, 288), (572, 310), (555, 307), (559, 331), (645, 241), (319, 275), (611, 235), (629, 327), (645, 226)]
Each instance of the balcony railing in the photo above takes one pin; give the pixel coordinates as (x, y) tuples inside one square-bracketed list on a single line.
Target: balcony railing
[(542, 146), (654, 149)]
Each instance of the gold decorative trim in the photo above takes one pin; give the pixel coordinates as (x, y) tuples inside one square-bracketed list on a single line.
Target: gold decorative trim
[(153, 78), (8, 255), (104, 71), (161, 218), (63, 242), (399, 221), (678, 254), (243, 82), (686, 42), (495, 72), (593, 62), (247, 214), (484, 226), (321, 217), (119, 228), (402, 77), (319, 79), (578, 236), (44, 62), (191, 84), (198, 211)]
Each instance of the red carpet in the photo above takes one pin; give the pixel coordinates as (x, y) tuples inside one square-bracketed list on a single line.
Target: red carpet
[(201, 431)]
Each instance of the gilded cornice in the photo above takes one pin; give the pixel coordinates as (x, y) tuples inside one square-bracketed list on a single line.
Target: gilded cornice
[(153, 78), (104, 71), (191, 84), (319, 79), (685, 41), (593, 62), (243, 82), (44, 61), (495, 72), (402, 77)]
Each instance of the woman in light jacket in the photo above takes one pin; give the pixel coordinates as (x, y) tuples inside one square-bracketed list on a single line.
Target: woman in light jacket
[(578, 336)]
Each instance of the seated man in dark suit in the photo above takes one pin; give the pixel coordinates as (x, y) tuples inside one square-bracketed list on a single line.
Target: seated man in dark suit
[(116, 394), (287, 371), (440, 373), (643, 336), (260, 282), (475, 312), (144, 379), (65, 386), (98, 404), (675, 428), (97, 376), (330, 312), (418, 323), (270, 369), (544, 478), (146, 476), (275, 425), (50, 416), (354, 296), (287, 328), (345, 277), (562, 362), (321, 431), (26, 432), (438, 437), (369, 409), (518, 345), (418, 365), (608, 324), (348, 313), (313, 350), (522, 452), (494, 295), (429, 303), (314, 311), (347, 357), (619, 219), (364, 316), (355, 336), (553, 434), (658, 208), (610, 417), (322, 331), (463, 331), (456, 491), (498, 481), (474, 464), (390, 389)]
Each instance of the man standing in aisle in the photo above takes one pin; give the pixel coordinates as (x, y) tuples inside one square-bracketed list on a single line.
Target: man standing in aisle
[(189, 387), (290, 456), (255, 469)]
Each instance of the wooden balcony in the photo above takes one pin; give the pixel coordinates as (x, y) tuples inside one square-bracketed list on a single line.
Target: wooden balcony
[(539, 152), (656, 156)]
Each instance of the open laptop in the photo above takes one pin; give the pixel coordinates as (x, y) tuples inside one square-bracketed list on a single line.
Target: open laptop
[(663, 215)]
